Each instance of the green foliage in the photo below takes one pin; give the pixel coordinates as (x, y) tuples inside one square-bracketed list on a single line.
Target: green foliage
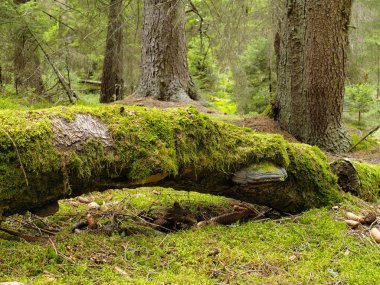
[(359, 98)]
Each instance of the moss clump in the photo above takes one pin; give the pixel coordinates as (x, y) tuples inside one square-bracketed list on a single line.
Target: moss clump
[(369, 177), (311, 172)]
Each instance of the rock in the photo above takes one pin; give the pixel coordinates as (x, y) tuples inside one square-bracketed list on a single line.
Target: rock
[(352, 224), (84, 200), (93, 205), (375, 234)]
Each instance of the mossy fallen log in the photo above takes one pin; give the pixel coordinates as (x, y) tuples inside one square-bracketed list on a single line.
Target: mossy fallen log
[(51, 154), (360, 179)]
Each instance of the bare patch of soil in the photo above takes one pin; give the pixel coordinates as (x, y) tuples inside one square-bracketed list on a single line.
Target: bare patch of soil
[(264, 125), (369, 156)]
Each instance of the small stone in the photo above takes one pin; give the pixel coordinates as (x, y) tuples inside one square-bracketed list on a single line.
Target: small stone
[(84, 200), (352, 224), (93, 205), (335, 208)]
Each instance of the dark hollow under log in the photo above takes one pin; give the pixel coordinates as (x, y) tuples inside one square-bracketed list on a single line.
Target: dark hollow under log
[(51, 154)]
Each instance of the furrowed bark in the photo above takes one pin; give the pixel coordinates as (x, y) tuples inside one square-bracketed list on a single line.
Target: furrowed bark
[(164, 68), (311, 48), (112, 79), (64, 152)]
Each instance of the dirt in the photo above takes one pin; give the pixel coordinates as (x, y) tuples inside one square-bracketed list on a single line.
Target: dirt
[(264, 125), (369, 156)]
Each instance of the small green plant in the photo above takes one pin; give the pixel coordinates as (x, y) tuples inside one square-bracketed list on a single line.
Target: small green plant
[(359, 99)]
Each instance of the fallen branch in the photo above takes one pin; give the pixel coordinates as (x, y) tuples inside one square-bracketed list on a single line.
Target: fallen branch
[(373, 130)]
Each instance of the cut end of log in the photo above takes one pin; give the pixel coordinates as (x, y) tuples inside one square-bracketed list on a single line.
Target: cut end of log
[(348, 179)]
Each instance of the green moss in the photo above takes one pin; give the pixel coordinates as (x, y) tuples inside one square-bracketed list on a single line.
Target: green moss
[(369, 176), (146, 142), (312, 174), (265, 167)]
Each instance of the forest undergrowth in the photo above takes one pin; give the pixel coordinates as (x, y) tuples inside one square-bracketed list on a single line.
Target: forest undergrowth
[(108, 238)]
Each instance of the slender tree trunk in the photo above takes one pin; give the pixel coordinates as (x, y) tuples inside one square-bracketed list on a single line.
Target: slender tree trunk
[(312, 41), (27, 63), (164, 74), (1, 76), (112, 79)]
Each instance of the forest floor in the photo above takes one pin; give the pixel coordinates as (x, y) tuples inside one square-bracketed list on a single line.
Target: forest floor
[(124, 247), (112, 238)]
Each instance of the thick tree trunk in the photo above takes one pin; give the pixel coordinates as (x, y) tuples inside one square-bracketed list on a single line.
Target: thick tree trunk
[(112, 79), (63, 152), (27, 63), (164, 69), (312, 44)]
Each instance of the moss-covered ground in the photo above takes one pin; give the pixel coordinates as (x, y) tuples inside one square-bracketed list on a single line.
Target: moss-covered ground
[(313, 248)]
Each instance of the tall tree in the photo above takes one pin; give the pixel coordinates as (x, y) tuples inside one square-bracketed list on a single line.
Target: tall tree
[(164, 69), (26, 59), (312, 50), (112, 79)]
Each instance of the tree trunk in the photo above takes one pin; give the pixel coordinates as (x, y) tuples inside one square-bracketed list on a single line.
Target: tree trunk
[(312, 40), (64, 152), (27, 63), (164, 69), (112, 79)]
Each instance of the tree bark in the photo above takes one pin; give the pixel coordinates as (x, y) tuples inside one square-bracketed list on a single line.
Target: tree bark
[(312, 43), (112, 78), (164, 69), (27, 63)]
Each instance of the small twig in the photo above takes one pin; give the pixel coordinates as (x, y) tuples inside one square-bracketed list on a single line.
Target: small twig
[(163, 240), (366, 136), (34, 227), (53, 245), (19, 235)]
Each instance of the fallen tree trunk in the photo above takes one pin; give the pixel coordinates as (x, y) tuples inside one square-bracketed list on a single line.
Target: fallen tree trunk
[(360, 179), (51, 154)]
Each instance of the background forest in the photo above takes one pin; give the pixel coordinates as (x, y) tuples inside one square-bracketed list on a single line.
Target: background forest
[(257, 183), (230, 54)]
